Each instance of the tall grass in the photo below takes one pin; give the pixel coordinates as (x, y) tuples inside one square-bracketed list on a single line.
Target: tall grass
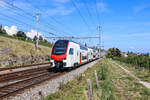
[(140, 61)]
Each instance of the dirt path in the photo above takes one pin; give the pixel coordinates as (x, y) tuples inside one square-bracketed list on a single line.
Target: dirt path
[(146, 84)]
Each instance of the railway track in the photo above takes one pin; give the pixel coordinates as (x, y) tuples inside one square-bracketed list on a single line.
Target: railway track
[(24, 66), (12, 83), (11, 88), (21, 74)]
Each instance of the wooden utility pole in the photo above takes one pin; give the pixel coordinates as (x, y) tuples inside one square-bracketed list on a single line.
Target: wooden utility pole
[(97, 83), (89, 84)]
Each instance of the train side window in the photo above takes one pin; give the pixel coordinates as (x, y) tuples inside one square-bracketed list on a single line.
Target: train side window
[(71, 51)]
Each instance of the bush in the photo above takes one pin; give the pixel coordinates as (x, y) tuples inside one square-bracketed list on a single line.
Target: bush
[(113, 52), (141, 61)]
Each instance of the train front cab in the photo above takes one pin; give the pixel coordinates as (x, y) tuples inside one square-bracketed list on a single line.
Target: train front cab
[(59, 54), (69, 57)]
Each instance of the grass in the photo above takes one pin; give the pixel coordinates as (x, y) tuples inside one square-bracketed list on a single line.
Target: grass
[(29, 41), (127, 87), (139, 61), (76, 89), (117, 85), (21, 48), (141, 73)]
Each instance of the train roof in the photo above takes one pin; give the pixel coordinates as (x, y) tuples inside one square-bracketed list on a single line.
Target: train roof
[(77, 43)]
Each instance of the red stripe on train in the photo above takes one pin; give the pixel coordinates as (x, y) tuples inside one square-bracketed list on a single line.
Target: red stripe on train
[(59, 57)]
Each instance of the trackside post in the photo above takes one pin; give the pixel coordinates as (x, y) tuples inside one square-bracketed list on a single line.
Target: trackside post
[(89, 84), (97, 83)]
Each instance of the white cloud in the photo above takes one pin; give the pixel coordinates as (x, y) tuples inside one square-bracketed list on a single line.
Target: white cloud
[(140, 8), (60, 10), (132, 47), (2, 3), (12, 30), (60, 7), (61, 1), (32, 34), (102, 7)]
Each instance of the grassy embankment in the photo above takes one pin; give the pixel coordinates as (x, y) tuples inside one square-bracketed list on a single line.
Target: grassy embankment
[(29, 41), (117, 85), (21, 48), (141, 73), (138, 61)]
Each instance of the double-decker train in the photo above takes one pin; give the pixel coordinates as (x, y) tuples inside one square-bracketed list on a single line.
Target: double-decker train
[(68, 54)]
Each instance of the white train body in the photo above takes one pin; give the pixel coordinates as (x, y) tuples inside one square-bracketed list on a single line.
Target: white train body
[(67, 54)]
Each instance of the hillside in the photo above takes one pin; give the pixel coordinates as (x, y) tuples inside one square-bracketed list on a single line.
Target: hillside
[(12, 48)]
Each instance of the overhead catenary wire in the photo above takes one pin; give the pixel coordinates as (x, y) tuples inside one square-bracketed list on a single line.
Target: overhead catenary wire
[(16, 13), (23, 23), (97, 13), (14, 22), (54, 19), (18, 8), (88, 10), (20, 29), (82, 17), (75, 38), (32, 15)]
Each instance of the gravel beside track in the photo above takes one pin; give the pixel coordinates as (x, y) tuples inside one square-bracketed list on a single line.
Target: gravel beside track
[(49, 86)]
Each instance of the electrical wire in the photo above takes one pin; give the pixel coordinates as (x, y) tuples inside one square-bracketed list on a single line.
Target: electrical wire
[(88, 10), (26, 13), (54, 19), (98, 17), (25, 23), (82, 17)]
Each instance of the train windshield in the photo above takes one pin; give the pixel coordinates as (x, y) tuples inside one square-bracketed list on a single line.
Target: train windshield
[(60, 47)]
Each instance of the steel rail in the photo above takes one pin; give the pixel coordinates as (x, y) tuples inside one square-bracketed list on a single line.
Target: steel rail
[(9, 68), (29, 81)]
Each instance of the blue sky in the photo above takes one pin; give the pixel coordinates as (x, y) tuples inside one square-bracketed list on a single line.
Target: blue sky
[(125, 23)]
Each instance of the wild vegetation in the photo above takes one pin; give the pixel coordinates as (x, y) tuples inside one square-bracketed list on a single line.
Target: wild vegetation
[(142, 73), (113, 52), (136, 60), (116, 85), (21, 49), (20, 35), (139, 61)]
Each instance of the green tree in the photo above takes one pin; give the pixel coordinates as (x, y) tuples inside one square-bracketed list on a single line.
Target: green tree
[(21, 35), (35, 38), (2, 31), (40, 38), (113, 52), (0, 28)]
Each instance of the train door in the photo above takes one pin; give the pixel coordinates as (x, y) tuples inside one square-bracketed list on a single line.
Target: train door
[(80, 58), (87, 58), (71, 54)]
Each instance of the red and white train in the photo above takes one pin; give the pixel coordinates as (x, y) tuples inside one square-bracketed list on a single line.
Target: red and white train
[(69, 54)]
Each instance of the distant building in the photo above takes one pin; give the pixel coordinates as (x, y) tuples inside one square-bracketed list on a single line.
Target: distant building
[(140, 54), (124, 54)]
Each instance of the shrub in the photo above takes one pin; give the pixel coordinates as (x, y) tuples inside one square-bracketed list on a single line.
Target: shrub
[(141, 61)]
